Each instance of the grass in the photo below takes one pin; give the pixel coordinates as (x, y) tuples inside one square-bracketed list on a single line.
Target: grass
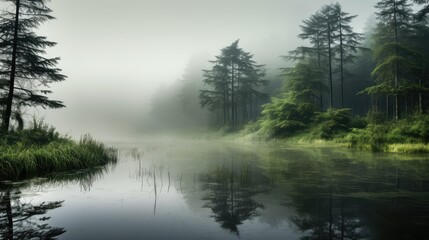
[(40, 150), (408, 148), (18, 161)]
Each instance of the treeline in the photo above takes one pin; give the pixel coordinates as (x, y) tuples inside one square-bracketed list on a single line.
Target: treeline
[(384, 71)]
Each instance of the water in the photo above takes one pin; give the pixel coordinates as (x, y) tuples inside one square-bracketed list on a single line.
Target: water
[(214, 190)]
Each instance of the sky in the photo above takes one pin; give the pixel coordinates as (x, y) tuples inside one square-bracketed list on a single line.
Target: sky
[(116, 54)]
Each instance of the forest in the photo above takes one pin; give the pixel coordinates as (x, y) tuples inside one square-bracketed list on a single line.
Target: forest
[(366, 90), (285, 123)]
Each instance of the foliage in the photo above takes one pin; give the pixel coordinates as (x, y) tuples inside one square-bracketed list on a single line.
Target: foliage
[(284, 117), (422, 14), (378, 137), (395, 53), (375, 117), (40, 133), (26, 72), (233, 83), (332, 122), (41, 150)]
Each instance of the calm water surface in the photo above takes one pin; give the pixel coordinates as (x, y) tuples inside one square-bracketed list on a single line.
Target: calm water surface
[(213, 190)]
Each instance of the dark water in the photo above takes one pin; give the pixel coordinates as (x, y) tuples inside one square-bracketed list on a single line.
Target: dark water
[(211, 190)]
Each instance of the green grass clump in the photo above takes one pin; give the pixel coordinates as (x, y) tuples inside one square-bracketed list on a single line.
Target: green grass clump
[(408, 148), (40, 150)]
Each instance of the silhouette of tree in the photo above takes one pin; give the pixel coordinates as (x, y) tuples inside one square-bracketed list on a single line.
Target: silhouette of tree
[(20, 220), (230, 196), (233, 82), (25, 72)]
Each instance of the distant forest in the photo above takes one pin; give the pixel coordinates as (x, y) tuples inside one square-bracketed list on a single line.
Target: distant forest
[(383, 71)]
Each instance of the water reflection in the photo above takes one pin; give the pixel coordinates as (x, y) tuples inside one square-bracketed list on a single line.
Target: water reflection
[(230, 195), (303, 193), (20, 218), (208, 190), (345, 197)]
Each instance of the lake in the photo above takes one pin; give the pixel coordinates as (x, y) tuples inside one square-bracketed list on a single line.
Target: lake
[(177, 189)]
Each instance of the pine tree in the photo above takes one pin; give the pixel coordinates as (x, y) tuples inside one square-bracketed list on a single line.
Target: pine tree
[(233, 83), (330, 25), (312, 30), (26, 73), (348, 42), (394, 57)]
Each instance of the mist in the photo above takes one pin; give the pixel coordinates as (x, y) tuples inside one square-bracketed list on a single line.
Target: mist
[(119, 53)]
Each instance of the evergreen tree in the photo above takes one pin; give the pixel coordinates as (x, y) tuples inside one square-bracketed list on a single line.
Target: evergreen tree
[(331, 38), (233, 82), (295, 109), (395, 59), (312, 30), (330, 25), (25, 72), (348, 42)]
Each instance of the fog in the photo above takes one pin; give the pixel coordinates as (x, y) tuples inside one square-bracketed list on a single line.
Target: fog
[(117, 54)]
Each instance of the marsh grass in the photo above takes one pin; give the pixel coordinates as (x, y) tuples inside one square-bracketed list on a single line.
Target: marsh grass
[(40, 150), (408, 148)]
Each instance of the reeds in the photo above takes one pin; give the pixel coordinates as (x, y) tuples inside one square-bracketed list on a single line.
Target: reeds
[(19, 161)]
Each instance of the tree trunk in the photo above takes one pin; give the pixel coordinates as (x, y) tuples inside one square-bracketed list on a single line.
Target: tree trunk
[(232, 96), (420, 96), (6, 202), (9, 99), (330, 64), (396, 63), (341, 64), (320, 72)]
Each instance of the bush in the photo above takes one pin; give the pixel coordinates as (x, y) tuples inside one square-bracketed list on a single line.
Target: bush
[(284, 117), (373, 137), (332, 122), (375, 117), (39, 134)]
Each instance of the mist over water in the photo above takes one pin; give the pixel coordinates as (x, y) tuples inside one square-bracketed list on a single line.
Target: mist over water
[(213, 190), (118, 55)]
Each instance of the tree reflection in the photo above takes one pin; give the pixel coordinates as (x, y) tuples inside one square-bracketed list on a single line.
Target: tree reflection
[(351, 198), (230, 195), (20, 220)]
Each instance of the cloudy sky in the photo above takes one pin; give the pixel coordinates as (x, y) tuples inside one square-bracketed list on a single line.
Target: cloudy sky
[(117, 53)]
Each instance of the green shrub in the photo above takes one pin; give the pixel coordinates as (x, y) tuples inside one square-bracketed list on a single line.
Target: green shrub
[(284, 117), (375, 117), (39, 133), (332, 122)]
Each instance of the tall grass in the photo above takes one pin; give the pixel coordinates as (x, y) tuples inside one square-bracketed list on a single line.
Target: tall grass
[(40, 151)]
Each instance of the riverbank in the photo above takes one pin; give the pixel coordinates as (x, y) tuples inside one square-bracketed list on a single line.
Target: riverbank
[(41, 150), (406, 136)]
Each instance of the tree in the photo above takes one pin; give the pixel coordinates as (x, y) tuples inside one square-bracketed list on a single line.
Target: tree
[(330, 21), (312, 30), (331, 38), (233, 82), (25, 73), (395, 59), (349, 42), (295, 108)]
